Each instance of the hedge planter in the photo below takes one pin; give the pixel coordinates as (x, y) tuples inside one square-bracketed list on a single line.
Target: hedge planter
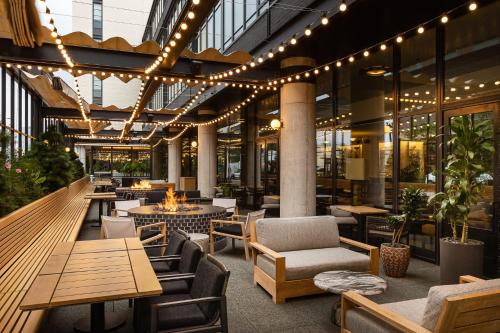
[(395, 259), (458, 259)]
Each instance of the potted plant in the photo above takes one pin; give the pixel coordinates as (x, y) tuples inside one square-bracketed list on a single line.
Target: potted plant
[(468, 149), (395, 255)]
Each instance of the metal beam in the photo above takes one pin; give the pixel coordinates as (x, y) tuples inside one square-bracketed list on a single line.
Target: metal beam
[(97, 59)]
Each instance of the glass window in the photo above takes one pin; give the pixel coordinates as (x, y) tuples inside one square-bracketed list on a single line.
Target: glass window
[(364, 141), (15, 121), (228, 21), (471, 61), (97, 20), (210, 32), (96, 91), (251, 11), (238, 17), (203, 38), (418, 73), (218, 28)]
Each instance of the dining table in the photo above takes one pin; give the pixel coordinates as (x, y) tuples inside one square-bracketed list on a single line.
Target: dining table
[(93, 272), (360, 213)]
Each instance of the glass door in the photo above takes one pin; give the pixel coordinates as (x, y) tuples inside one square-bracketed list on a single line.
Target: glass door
[(484, 216)]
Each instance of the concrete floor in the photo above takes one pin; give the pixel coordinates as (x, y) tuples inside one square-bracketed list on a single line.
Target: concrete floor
[(250, 308)]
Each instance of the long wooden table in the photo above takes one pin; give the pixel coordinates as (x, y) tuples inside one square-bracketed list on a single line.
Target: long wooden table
[(360, 212), (93, 272)]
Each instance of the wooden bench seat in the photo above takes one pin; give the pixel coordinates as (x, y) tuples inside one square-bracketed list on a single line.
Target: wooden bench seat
[(27, 238)]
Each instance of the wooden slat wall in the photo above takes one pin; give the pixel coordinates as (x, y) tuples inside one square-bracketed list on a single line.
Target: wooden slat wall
[(27, 238)]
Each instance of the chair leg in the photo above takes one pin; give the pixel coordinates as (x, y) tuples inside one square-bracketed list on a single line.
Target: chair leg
[(223, 316), (245, 243), (232, 242)]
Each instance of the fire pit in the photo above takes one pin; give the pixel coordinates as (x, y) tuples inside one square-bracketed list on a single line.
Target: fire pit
[(190, 218)]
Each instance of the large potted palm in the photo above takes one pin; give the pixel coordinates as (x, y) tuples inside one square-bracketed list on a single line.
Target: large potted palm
[(395, 255), (469, 146)]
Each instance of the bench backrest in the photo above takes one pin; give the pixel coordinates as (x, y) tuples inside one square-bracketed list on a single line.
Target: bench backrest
[(297, 233), (19, 227)]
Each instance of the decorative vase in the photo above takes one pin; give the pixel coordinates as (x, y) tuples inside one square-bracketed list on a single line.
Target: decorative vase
[(456, 259), (395, 259)]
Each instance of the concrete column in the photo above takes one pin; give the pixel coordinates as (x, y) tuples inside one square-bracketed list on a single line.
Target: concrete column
[(207, 157), (297, 144), (174, 162)]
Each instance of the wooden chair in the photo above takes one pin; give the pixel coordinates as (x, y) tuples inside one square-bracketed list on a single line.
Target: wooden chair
[(122, 207), (227, 203), (447, 309), (234, 228), (123, 227)]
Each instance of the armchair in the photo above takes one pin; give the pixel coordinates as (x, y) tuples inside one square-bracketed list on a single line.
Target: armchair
[(234, 228), (288, 252), (122, 207), (123, 227), (471, 306), (174, 246), (202, 309)]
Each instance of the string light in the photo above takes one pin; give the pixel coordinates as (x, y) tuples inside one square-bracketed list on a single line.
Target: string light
[(324, 19), (181, 133), (308, 31), (343, 6), (420, 30), (444, 19), (472, 6)]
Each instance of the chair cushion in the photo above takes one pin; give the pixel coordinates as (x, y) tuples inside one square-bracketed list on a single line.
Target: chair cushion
[(345, 220), (145, 234), (232, 229), (339, 212), (209, 281), (359, 320), (175, 242), (438, 294), (174, 317), (298, 233), (161, 266), (305, 264), (175, 287)]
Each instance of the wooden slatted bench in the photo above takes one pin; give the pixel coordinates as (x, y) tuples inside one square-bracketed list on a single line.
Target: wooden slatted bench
[(27, 238)]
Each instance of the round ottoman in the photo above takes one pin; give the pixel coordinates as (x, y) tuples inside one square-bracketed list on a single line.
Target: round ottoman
[(201, 239)]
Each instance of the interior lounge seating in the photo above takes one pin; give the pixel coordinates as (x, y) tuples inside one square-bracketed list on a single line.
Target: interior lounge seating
[(201, 309), (289, 252), (345, 221), (271, 203), (228, 203), (155, 196), (469, 307)]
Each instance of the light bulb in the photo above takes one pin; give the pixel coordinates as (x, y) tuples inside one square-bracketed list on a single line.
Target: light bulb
[(343, 6), (351, 59), (366, 53), (270, 54), (184, 26), (339, 64), (444, 19), (472, 6), (308, 31), (399, 39), (420, 30), (178, 35), (293, 41), (196, 2), (324, 20), (191, 15), (383, 47), (281, 48)]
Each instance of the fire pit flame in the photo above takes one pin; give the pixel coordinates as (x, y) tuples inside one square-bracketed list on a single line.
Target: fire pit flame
[(142, 185), (171, 203)]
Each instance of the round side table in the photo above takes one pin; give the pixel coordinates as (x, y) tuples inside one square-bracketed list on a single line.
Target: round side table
[(201, 239), (338, 282)]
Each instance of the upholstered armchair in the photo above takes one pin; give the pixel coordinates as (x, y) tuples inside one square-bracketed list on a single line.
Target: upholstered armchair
[(123, 227), (469, 307), (288, 252)]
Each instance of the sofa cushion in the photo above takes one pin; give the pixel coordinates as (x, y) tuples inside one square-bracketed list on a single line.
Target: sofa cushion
[(298, 233), (438, 294), (305, 264), (359, 320)]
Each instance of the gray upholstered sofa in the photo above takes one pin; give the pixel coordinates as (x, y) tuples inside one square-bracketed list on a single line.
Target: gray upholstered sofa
[(289, 252), (466, 308)]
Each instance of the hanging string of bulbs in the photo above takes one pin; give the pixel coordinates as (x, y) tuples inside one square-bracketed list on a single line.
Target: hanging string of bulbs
[(292, 41), (379, 46), (181, 133), (173, 37)]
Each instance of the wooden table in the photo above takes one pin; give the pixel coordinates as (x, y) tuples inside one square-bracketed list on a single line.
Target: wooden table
[(360, 212), (93, 272), (102, 183), (101, 196)]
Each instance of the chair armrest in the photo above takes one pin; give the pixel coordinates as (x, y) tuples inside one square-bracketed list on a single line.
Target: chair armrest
[(468, 278), (278, 259), (352, 299), (373, 252), (152, 239), (264, 249), (164, 258), (174, 277), (226, 222), (148, 226), (154, 246)]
